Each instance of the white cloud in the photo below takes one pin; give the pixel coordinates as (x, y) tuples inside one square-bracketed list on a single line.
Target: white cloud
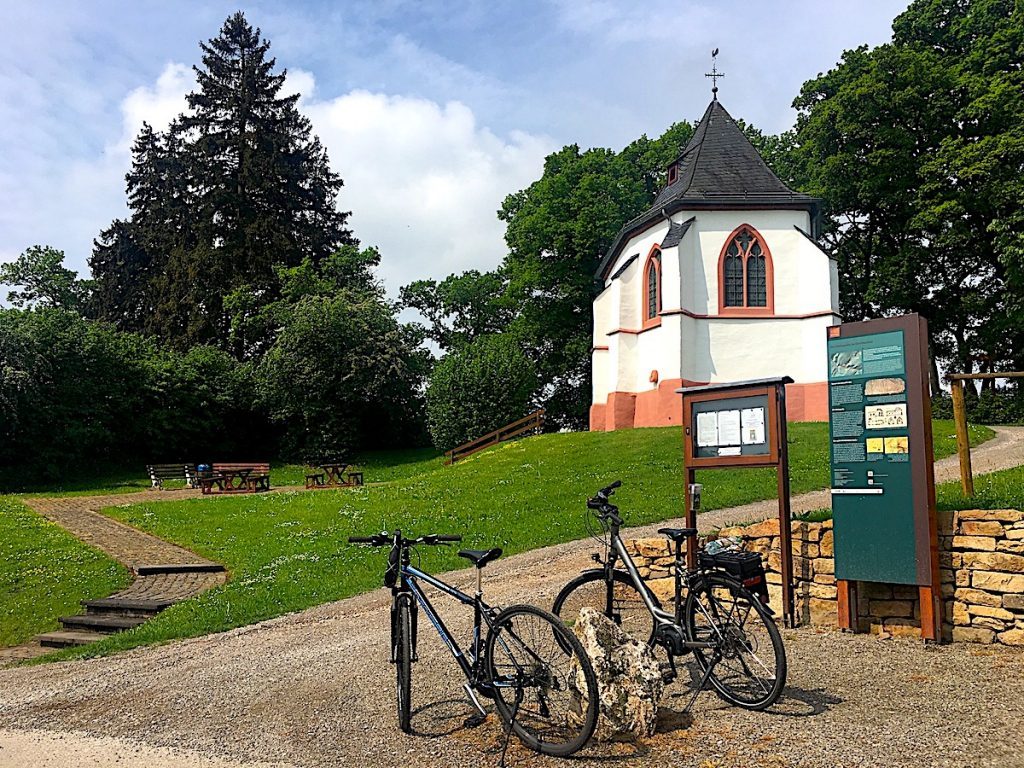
[(157, 105), (424, 180)]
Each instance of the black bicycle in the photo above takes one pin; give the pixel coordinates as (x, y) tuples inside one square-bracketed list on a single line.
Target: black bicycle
[(724, 624), (530, 664)]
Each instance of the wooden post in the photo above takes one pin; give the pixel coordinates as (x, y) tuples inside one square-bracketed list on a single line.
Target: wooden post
[(691, 521), (963, 439), (785, 514), (847, 594)]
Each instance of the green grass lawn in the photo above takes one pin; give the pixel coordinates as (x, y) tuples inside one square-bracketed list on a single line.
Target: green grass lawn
[(44, 572), (288, 551)]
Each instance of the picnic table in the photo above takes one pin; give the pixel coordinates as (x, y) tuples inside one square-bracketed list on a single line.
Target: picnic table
[(243, 477), (333, 474)]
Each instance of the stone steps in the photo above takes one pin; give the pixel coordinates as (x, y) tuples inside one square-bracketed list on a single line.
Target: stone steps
[(65, 639), (120, 606), (151, 570), (157, 587), (103, 623)]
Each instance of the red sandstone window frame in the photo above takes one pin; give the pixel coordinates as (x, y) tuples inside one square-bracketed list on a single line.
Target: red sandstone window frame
[(768, 310), (653, 258)]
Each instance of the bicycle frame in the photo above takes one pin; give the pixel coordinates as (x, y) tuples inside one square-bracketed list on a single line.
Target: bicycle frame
[(410, 577), (662, 618)]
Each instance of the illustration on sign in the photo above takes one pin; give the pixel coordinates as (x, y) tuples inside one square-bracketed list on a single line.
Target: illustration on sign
[(885, 416)]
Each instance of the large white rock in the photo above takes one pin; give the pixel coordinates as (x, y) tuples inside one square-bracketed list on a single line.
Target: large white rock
[(628, 678)]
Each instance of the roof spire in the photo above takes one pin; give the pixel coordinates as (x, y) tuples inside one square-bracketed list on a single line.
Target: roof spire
[(714, 74)]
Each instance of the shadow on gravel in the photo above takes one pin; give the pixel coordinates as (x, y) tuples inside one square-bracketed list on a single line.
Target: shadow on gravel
[(440, 718), (803, 702)]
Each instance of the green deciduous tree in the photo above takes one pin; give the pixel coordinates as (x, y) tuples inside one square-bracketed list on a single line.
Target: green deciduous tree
[(461, 308), (480, 387), (917, 148), (38, 278)]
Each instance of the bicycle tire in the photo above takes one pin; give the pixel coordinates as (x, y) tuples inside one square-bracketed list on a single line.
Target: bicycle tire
[(525, 653), (718, 608), (628, 609), (403, 666)]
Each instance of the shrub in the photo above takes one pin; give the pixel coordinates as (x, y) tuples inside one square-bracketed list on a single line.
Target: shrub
[(478, 389), (998, 406), (342, 374)]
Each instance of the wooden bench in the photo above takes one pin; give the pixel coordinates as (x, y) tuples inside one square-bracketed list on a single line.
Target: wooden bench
[(238, 477), (158, 473), (332, 475)]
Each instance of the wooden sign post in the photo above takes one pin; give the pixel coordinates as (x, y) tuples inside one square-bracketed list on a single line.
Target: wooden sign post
[(883, 485), (741, 424)]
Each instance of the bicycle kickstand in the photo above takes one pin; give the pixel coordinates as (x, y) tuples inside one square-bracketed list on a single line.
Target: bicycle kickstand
[(703, 681)]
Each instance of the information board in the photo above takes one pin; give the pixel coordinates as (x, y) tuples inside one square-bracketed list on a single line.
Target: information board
[(732, 427), (881, 454), (741, 424)]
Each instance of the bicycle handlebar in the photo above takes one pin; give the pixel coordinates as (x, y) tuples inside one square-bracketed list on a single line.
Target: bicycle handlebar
[(384, 539)]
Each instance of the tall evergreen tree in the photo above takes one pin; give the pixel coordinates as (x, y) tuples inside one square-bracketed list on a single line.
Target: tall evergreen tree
[(236, 189)]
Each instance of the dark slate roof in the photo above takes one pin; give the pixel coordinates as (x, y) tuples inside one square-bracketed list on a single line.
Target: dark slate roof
[(719, 161), (676, 233), (719, 168)]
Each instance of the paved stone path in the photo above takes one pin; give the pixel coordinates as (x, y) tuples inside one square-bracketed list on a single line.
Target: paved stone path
[(130, 546)]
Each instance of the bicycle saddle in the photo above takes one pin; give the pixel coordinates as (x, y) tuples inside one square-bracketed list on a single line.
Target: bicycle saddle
[(678, 534), (480, 557)]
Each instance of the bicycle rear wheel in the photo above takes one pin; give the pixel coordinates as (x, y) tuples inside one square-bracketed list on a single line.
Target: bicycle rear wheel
[(544, 685), (750, 659), (403, 665)]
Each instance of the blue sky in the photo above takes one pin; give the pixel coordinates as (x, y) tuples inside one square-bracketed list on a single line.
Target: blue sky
[(431, 111)]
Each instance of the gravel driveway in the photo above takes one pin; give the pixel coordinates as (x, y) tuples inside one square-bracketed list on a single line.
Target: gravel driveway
[(315, 689)]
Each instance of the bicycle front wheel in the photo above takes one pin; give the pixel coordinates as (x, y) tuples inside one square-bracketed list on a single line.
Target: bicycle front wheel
[(543, 683), (403, 666), (749, 658), (623, 604)]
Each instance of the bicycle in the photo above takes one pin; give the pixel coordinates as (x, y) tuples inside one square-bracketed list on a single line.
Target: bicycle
[(535, 670), (724, 625)]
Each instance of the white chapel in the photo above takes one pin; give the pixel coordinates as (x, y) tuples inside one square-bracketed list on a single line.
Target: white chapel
[(721, 280)]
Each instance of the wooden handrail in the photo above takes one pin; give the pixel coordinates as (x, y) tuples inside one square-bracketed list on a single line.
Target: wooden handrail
[(514, 429), (966, 376)]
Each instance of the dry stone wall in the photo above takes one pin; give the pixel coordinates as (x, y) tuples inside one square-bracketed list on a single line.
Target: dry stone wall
[(981, 566)]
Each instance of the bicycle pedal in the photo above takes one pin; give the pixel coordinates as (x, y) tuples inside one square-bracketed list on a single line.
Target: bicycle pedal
[(474, 721), (668, 672)]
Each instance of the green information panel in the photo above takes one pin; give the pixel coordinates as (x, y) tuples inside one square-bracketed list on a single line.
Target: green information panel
[(870, 442)]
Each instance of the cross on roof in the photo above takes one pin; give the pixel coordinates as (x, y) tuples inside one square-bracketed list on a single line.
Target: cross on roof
[(714, 74)]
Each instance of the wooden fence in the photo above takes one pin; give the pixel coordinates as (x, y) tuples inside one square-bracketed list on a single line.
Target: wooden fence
[(963, 440), (533, 422)]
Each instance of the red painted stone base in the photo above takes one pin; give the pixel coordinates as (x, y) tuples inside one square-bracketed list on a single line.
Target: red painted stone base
[(662, 407)]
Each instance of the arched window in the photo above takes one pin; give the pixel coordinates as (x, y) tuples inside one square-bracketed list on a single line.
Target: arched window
[(745, 274), (652, 289)]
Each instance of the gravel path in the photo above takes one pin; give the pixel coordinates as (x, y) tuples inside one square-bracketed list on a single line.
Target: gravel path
[(315, 689)]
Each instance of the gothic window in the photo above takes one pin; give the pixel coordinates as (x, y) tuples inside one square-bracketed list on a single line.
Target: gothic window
[(746, 272), (733, 277), (652, 288)]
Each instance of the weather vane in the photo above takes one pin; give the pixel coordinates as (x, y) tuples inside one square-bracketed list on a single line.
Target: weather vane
[(714, 74)]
